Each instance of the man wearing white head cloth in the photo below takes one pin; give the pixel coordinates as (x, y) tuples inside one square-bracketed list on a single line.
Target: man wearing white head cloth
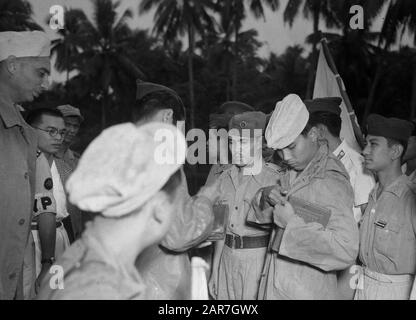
[(315, 233), (24, 70), (136, 194)]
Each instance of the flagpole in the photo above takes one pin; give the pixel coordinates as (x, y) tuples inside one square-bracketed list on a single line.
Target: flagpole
[(357, 130)]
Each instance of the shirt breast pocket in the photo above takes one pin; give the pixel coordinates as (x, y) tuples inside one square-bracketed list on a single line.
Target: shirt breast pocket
[(387, 238)]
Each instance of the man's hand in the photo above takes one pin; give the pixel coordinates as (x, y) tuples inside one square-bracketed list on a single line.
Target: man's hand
[(273, 195), (43, 272), (283, 212)]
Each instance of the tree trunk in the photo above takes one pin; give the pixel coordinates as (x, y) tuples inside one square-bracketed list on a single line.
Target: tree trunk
[(413, 99), (314, 60), (103, 111), (191, 38), (234, 78), (372, 93)]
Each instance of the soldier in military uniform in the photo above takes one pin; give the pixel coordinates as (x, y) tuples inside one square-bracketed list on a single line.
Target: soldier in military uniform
[(136, 201), (217, 148), (238, 259), (24, 70), (388, 228), (50, 129), (40, 252), (325, 114), (310, 208), (73, 120)]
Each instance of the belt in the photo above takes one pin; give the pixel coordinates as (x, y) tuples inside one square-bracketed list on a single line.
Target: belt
[(388, 278), (246, 242), (35, 226)]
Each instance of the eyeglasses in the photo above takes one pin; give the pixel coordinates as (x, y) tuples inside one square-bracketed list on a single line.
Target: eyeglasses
[(53, 132)]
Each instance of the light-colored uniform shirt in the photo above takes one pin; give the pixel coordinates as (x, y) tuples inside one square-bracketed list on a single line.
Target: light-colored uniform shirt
[(236, 272), (44, 203), (362, 181), (90, 272), (388, 228), (18, 145)]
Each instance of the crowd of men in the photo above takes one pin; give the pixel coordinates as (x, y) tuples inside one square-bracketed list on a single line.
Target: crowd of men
[(319, 220)]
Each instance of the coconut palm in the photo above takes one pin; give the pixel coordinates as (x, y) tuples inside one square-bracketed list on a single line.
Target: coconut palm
[(232, 14), (99, 50), (174, 18), (16, 15)]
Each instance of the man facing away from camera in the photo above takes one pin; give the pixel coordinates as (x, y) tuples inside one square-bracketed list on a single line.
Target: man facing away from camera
[(24, 70), (305, 255), (166, 269)]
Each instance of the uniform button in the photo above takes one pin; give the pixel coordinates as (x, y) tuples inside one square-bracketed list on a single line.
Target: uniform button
[(236, 208), (26, 175), (12, 275), (22, 222), (232, 225)]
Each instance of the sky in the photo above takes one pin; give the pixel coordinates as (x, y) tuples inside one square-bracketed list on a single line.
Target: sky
[(275, 35)]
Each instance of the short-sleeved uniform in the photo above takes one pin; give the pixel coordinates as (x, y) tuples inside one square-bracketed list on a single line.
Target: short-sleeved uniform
[(44, 203), (388, 242), (238, 260)]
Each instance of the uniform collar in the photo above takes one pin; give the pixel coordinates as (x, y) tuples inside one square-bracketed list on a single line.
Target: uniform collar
[(397, 187), (341, 150), (9, 113), (233, 173)]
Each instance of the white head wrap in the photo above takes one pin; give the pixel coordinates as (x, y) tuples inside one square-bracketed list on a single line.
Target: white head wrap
[(287, 122), (125, 166), (24, 44)]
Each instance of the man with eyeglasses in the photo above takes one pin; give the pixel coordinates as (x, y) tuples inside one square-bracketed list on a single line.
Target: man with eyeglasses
[(24, 71), (50, 130)]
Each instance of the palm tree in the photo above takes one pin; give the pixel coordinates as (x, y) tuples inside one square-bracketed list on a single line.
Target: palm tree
[(16, 15), (318, 9), (232, 13), (400, 18), (174, 18), (97, 49)]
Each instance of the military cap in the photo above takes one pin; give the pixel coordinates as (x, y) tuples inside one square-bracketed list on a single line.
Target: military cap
[(248, 120), (70, 111), (287, 122), (331, 105), (234, 107), (145, 88), (24, 44), (392, 128)]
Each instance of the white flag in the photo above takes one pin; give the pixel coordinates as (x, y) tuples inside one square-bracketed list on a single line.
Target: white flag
[(326, 86)]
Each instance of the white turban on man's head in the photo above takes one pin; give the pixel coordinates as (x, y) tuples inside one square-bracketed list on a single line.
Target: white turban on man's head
[(125, 166), (287, 122), (24, 44)]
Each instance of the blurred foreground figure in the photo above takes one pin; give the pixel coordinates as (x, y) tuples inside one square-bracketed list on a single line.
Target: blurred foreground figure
[(136, 193), (166, 269), (388, 227), (310, 208), (24, 71)]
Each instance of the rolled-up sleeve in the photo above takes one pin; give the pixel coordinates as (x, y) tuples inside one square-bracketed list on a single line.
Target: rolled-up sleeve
[(334, 247)]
